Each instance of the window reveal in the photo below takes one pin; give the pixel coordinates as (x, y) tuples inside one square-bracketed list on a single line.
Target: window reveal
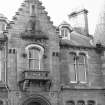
[(80, 103), (35, 53), (70, 103), (77, 67), (82, 68), (65, 33), (34, 58), (72, 67), (91, 102)]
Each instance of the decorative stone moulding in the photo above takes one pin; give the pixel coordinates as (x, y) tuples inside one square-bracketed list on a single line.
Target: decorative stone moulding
[(33, 36)]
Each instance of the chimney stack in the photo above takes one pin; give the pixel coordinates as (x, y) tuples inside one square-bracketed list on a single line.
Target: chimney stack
[(79, 21)]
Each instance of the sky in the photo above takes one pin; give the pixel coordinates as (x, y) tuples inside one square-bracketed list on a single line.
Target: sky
[(58, 10)]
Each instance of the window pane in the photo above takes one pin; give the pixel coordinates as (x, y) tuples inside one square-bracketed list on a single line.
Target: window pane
[(34, 60), (81, 73), (72, 66), (72, 57), (33, 64), (34, 53), (81, 59), (72, 72), (82, 68), (66, 32)]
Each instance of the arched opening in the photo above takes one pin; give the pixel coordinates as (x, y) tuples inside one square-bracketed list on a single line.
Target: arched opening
[(36, 100), (34, 103)]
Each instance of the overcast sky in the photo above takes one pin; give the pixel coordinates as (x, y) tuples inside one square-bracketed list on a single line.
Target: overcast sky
[(57, 9)]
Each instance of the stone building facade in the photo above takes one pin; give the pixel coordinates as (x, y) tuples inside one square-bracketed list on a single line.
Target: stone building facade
[(41, 64)]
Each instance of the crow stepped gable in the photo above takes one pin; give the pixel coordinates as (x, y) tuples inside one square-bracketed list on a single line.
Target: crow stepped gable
[(41, 64)]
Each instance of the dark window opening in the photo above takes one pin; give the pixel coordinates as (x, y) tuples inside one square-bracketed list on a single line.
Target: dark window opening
[(81, 103), (70, 103)]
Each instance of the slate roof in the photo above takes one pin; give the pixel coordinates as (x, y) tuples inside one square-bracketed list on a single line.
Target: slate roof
[(77, 39)]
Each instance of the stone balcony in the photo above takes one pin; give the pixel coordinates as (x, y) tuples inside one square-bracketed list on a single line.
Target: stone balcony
[(39, 78)]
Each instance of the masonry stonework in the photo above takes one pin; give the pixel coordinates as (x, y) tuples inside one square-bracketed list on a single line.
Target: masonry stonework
[(43, 64)]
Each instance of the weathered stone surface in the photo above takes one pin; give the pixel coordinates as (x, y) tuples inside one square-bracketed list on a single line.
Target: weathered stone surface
[(37, 29)]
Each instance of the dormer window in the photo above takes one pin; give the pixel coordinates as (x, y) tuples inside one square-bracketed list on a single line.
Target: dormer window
[(64, 30), (65, 33)]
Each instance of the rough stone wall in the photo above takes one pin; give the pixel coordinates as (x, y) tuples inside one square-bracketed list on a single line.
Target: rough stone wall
[(94, 71), (56, 61), (84, 95), (17, 64), (91, 90)]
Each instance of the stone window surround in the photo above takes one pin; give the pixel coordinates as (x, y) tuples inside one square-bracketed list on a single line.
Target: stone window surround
[(65, 28), (41, 51), (86, 62), (76, 102)]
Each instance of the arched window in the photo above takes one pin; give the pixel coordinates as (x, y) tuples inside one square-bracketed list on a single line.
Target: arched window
[(70, 103), (82, 67), (81, 102), (91, 102), (78, 67), (72, 67), (35, 53)]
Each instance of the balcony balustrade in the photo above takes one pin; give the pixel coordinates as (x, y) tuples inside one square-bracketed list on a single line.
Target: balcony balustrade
[(35, 75), (40, 78)]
